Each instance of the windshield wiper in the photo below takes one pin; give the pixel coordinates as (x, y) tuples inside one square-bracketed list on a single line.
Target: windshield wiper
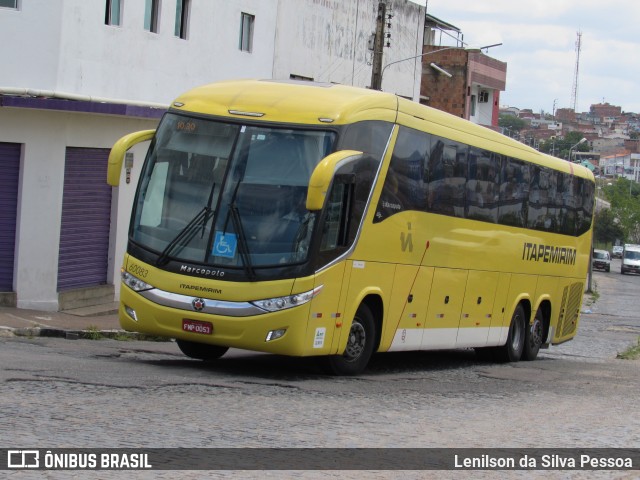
[(245, 255), (243, 246), (187, 233)]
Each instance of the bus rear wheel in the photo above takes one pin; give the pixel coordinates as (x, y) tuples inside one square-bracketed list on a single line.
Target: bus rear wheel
[(512, 350), (201, 351), (533, 337), (360, 345)]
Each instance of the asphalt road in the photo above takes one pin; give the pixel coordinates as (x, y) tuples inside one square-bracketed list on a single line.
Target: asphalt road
[(112, 394)]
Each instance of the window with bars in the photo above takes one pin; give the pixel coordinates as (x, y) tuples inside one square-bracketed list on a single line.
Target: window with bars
[(182, 18), (151, 15), (113, 12), (246, 32)]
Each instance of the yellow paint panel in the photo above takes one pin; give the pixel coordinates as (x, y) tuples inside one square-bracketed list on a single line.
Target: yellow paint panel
[(499, 316), (477, 309), (409, 304), (445, 305), (366, 278), (325, 315)]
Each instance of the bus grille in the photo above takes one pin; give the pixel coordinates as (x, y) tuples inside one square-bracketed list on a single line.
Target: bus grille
[(568, 321)]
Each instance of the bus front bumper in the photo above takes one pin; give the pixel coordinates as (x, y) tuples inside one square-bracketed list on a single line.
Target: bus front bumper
[(281, 332)]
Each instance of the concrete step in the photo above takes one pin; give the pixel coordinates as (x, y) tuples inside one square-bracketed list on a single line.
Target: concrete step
[(94, 310), (85, 297)]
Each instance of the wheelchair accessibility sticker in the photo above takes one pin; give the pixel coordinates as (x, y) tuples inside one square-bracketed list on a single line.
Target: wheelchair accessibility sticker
[(225, 244)]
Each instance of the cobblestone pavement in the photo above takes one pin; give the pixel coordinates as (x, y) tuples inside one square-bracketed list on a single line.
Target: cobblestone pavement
[(57, 393)]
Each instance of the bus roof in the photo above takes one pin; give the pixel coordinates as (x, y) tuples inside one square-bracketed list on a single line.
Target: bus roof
[(290, 101), (313, 103)]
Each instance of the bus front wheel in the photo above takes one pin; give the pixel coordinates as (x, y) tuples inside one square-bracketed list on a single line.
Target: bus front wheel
[(360, 345), (512, 350), (201, 351)]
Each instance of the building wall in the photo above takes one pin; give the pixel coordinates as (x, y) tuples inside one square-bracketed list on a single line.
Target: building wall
[(66, 46), (34, 31), (473, 90), (567, 115), (602, 110), (66, 50), (439, 91), (45, 135), (332, 42)]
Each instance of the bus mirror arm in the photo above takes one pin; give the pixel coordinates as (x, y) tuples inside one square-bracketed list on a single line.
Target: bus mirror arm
[(323, 175), (116, 156)]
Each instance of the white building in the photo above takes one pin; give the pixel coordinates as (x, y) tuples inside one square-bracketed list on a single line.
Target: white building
[(78, 74)]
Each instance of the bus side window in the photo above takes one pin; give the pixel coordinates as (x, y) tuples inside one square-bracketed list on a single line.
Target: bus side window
[(335, 231), (447, 177), (587, 196), (404, 184), (482, 186), (514, 193), (345, 207)]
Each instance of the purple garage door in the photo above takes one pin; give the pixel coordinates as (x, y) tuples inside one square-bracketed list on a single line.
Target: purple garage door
[(9, 174), (86, 218)]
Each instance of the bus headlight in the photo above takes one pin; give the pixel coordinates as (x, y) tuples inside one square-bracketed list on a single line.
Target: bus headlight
[(134, 283), (290, 301)]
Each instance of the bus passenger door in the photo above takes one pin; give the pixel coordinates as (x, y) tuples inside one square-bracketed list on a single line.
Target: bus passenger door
[(477, 309), (408, 308), (445, 305)]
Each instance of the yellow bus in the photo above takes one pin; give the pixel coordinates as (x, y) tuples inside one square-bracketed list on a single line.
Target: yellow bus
[(310, 219)]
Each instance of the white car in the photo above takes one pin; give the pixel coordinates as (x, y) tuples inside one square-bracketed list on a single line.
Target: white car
[(601, 260), (630, 259), (617, 251)]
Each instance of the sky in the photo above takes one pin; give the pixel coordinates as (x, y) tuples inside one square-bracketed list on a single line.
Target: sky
[(539, 46)]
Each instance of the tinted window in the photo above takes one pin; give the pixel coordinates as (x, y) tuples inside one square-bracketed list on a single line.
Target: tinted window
[(587, 192), (404, 186), (437, 175), (514, 193), (541, 211), (483, 185), (446, 177)]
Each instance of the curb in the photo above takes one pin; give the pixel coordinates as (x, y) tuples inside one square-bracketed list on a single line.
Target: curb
[(75, 334)]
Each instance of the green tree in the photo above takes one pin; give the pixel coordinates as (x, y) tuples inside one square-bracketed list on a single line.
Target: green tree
[(571, 139), (510, 122), (560, 146), (606, 230), (624, 196)]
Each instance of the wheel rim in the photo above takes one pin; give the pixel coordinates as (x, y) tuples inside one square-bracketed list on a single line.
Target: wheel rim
[(356, 342), (536, 332)]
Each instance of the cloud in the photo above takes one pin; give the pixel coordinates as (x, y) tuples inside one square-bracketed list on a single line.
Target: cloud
[(539, 45)]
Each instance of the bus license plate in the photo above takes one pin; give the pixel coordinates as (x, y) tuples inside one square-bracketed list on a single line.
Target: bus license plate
[(197, 326)]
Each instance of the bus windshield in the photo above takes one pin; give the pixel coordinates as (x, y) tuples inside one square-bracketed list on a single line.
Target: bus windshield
[(227, 194)]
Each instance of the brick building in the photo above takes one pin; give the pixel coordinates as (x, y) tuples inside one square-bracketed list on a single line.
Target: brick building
[(464, 82), (605, 110)]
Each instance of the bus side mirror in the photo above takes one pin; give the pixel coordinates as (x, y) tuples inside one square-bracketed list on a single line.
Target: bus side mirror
[(323, 174), (116, 156)]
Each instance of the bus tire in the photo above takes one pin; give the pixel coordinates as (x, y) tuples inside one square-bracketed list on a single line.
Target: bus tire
[(533, 337), (360, 345), (201, 351), (512, 350)]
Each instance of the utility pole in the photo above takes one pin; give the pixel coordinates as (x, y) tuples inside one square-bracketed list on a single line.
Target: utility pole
[(378, 47)]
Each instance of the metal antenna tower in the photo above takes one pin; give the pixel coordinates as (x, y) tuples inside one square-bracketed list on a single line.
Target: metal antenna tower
[(574, 90)]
